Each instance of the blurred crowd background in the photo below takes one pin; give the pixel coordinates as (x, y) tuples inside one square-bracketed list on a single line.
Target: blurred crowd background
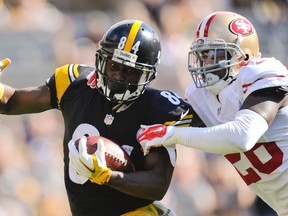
[(40, 35)]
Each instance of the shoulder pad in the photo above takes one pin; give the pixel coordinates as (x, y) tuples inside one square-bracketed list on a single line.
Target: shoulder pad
[(85, 70), (64, 76), (169, 102)]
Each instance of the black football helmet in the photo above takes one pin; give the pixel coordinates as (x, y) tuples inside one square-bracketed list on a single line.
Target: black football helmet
[(133, 44)]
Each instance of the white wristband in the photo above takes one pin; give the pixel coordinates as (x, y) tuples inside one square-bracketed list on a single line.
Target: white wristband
[(238, 135)]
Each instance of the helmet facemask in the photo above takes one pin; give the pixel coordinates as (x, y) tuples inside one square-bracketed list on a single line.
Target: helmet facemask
[(127, 60), (212, 64), (119, 90)]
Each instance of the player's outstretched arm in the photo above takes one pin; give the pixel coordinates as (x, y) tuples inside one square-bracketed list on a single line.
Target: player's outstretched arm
[(25, 100), (240, 134), (235, 136), (20, 101)]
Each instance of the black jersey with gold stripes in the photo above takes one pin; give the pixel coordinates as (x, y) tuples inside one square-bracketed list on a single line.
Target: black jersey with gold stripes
[(87, 112)]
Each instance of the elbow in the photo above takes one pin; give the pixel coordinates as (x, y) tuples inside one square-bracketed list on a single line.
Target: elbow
[(159, 192), (242, 140), (158, 195), (243, 144), (246, 129)]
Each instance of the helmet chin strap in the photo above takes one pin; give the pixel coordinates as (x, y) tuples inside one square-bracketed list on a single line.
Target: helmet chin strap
[(219, 84)]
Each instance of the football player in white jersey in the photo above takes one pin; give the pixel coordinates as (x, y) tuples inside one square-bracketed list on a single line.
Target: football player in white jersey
[(243, 100)]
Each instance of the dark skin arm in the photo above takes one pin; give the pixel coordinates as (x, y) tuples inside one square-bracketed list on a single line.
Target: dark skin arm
[(150, 184), (266, 103), (25, 100)]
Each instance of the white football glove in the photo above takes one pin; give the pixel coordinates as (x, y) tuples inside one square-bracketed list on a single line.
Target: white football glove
[(4, 63), (155, 136), (91, 166), (162, 210)]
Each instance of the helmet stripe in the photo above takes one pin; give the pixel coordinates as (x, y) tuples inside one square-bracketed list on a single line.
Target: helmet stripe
[(198, 29), (132, 35), (205, 24)]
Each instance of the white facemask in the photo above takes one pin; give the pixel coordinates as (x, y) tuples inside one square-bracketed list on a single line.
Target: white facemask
[(219, 84)]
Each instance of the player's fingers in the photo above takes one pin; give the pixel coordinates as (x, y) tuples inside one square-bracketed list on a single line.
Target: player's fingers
[(72, 148), (101, 147), (100, 153), (4, 63), (146, 150), (84, 157), (80, 168), (142, 129), (74, 160), (143, 126), (83, 147), (76, 165)]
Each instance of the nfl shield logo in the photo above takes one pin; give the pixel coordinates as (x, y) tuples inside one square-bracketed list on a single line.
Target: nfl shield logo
[(108, 119), (219, 110)]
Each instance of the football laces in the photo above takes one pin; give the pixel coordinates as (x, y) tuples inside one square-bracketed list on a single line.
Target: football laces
[(120, 158)]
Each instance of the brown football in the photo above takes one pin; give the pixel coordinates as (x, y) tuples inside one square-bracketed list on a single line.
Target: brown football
[(116, 157)]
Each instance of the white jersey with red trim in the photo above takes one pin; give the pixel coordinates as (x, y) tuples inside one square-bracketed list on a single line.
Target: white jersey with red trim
[(264, 168)]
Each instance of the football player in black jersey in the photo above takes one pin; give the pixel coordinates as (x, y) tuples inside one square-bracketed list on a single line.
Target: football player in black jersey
[(111, 100)]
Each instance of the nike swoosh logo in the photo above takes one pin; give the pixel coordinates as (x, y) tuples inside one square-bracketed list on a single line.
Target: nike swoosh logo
[(91, 170), (184, 114)]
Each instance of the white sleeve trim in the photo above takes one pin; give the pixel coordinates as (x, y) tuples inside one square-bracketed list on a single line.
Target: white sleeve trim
[(238, 135)]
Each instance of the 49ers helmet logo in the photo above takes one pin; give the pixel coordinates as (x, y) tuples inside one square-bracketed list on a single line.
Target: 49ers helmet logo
[(241, 26)]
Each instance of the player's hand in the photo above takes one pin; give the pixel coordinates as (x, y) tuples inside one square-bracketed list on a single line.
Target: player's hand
[(91, 166), (4, 63), (154, 136)]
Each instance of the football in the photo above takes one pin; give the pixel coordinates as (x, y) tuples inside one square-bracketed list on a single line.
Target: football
[(116, 157)]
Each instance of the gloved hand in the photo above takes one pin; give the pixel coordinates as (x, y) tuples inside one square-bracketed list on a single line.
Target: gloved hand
[(154, 136), (91, 166), (162, 210), (4, 63)]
